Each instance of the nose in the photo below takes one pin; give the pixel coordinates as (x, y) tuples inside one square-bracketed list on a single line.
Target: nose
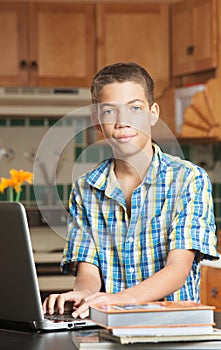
[(123, 118)]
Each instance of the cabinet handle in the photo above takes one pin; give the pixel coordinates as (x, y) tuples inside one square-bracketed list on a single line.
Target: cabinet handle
[(34, 65), (23, 64), (190, 50), (214, 292)]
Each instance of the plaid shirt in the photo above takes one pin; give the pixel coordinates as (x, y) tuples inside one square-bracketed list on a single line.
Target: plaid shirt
[(171, 209)]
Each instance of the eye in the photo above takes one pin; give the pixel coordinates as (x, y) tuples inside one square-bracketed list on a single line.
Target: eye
[(136, 109), (108, 112)]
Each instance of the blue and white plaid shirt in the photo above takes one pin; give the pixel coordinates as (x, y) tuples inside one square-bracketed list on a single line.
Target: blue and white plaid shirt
[(171, 209)]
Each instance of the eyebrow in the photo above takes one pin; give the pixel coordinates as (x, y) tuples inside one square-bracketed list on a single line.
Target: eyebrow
[(135, 100), (107, 104), (104, 104)]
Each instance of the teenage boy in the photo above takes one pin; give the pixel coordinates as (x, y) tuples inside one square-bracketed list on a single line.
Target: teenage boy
[(140, 222)]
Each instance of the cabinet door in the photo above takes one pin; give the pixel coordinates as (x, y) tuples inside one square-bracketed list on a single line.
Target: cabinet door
[(13, 44), (62, 44), (135, 32), (193, 36), (210, 290)]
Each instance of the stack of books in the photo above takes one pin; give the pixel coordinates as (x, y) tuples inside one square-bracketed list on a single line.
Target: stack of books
[(151, 317), (93, 340), (151, 322), (104, 340)]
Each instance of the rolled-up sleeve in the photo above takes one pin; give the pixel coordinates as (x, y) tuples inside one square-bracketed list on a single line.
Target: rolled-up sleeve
[(193, 226), (79, 246)]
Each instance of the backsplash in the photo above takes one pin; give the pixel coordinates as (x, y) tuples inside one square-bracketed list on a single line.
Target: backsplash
[(82, 154), (19, 142)]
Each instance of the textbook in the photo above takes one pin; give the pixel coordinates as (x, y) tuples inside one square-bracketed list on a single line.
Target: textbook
[(106, 335), (161, 331), (91, 340), (152, 314)]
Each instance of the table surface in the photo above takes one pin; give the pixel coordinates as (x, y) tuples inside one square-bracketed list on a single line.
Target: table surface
[(14, 340)]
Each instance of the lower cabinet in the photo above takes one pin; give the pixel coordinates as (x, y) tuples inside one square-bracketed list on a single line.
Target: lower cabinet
[(211, 286)]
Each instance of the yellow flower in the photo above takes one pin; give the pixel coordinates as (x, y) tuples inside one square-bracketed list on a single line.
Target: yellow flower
[(5, 183), (18, 177)]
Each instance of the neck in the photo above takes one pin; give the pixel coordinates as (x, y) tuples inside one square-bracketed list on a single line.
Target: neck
[(135, 165)]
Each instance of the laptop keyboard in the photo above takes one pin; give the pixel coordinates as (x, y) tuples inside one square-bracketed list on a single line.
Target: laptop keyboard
[(58, 318)]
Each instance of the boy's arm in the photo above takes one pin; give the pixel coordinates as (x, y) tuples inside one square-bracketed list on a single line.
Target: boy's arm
[(171, 278), (164, 282), (87, 282)]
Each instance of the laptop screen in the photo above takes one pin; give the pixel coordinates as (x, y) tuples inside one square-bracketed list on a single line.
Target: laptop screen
[(20, 298), (20, 301)]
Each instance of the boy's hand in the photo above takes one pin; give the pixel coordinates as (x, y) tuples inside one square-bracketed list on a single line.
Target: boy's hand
[(86, 284), (63, 302), (99, 298)]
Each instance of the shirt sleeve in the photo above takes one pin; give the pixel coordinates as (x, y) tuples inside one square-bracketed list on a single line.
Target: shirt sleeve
[(79, 246), (193, 226)]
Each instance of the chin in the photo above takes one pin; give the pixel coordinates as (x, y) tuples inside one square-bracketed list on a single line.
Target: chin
[(127, 150)]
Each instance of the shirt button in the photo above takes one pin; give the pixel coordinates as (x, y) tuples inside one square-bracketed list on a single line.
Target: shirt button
[(131, 269), (130, 239)]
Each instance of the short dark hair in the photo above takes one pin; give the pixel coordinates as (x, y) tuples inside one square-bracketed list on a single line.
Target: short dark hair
[(122, 72)]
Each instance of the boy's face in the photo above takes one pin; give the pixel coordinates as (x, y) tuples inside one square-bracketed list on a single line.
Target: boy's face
[(125, 117)]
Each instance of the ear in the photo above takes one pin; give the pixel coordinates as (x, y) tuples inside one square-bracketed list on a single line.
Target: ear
[(95, 122), (155, 111)]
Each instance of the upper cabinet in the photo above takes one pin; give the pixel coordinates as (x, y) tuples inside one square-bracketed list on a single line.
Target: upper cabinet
[(13, 43), (65, 43), (135, 32), (46, 44), (62, 43), (194, 36)]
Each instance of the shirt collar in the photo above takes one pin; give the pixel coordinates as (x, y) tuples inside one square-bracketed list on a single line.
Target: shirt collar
[(112, 182), (98, 178)]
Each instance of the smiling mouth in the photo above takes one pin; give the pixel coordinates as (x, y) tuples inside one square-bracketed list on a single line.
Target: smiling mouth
[(125, 138)]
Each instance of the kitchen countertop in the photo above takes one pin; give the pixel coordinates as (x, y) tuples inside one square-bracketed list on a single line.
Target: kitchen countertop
[(13, 340), (212, 263), (47, 257)]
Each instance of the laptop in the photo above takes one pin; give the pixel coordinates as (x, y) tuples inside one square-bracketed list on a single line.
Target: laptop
[(20, 300)]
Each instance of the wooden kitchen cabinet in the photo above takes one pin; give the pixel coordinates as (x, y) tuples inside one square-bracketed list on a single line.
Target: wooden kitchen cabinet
[(210, 293), (46, 44), (13, 43), (135, 32), (65, 43), (194, 36)]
